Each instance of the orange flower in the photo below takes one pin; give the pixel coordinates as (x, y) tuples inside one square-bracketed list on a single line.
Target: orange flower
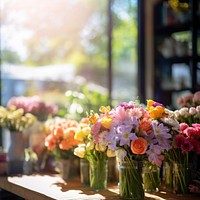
[(62, 135), (139, 146), (57, 131), (94, 117), (145, 125), (50, 142)]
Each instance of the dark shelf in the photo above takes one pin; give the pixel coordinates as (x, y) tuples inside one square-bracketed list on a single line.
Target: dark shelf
[(177, 90), (183, 59), (168, 30), (186, 68)]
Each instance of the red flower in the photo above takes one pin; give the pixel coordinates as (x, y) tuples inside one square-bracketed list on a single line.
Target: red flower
[(186, 146), (179, 141)]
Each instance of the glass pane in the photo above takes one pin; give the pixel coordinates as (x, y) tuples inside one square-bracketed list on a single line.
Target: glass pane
[(124, 50), (59, 51), (50, 47)]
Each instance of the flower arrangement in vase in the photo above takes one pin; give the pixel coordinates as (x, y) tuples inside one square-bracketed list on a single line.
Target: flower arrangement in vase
[(186, 143), (96, 152), (16, 121), (34, 136), (137, 134), (60, 141)]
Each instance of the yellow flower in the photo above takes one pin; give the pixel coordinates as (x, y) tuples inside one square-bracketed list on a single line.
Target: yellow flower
[(86, 130), (157, 112), (90, 146), (80, 151), (106, 121), (82, 132), (99, 147), (110, 153), (104, 109), (79, 135), (149, 104)]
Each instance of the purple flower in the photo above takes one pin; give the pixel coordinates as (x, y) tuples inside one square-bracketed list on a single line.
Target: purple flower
[(154, 155), (157, 104), (112, 138), (160, 131), (126, 105), (125, 135)]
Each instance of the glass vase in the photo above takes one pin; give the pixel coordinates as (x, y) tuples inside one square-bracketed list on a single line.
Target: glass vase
[(15, 153), (65, 168), (84, 172), (181, 178), (98, 173), (151, 177), (130, 180), (168, 175)]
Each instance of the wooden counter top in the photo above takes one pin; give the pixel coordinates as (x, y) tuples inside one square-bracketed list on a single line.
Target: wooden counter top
[(43, 187)]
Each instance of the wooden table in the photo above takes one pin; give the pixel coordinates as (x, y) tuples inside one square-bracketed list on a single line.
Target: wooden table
[(43, 187)]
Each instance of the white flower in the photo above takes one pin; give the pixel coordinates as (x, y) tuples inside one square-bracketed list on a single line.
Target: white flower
[(184, 112), (80, 151), (177, 113), (193, 111), (90, 146)]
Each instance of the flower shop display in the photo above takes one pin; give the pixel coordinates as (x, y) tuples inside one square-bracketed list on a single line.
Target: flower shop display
[(185, 150), (189, 100), (96, 152), (35, 135), (186, 147), (60, 142), (140, 136), (16, 121)]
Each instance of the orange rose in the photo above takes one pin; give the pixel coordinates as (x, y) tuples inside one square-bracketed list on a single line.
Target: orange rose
[(145, 125), (139, 146)]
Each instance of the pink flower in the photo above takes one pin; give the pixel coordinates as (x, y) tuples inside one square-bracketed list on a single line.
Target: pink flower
[(119, 114), (96, 130), (190, 132), (196, 97), (183, 126)]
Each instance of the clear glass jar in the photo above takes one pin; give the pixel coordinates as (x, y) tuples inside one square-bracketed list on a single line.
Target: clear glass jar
[(130, 180), (151, 177), (98, 174), (84, 172)]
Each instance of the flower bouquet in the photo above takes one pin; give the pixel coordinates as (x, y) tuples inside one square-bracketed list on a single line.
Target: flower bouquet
[(136, 134), (34, 105), (16, 121), (60, 141), (189, 100), (186, 143), (185, 147), (94, 149)]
